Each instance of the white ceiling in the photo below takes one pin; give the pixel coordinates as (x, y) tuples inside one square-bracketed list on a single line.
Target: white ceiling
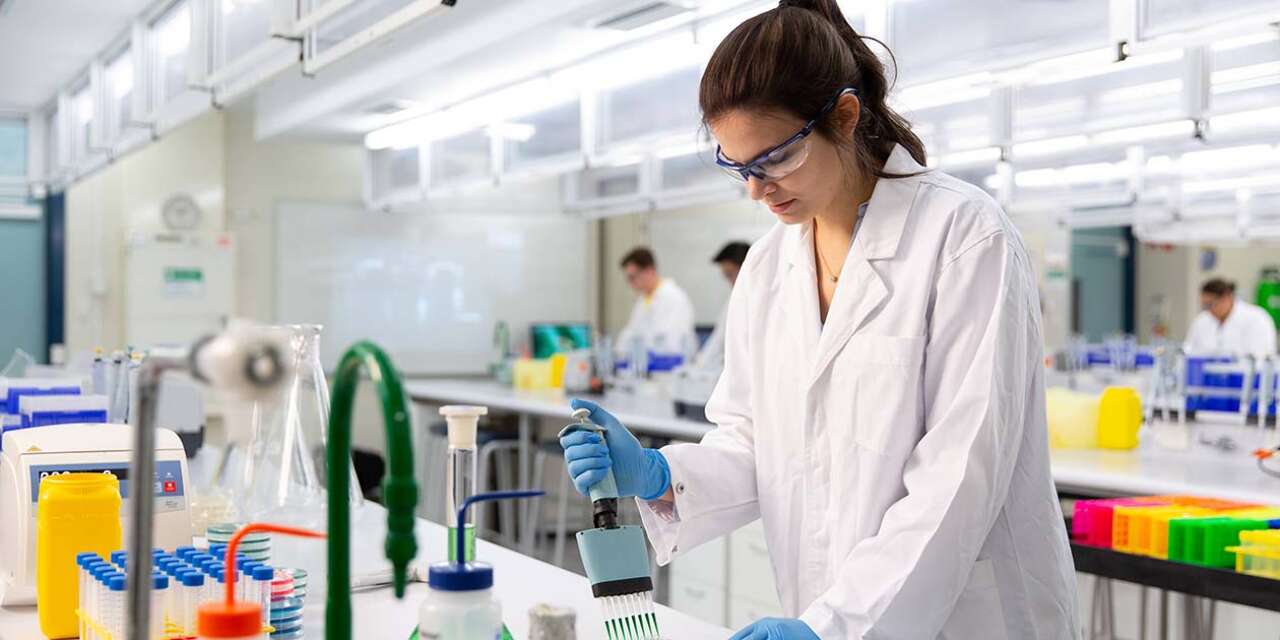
[(474, 47), (44, 44)]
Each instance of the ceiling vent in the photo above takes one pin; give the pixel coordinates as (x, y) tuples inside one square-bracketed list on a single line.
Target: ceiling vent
[(633, 15)]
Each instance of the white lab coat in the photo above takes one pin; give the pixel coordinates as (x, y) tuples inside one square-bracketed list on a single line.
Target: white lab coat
[(898, 456), (1248, 330), (711, 355), (663, 321)]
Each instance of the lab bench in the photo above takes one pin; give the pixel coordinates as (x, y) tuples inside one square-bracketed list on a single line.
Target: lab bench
[(519, 583), (730, 581)]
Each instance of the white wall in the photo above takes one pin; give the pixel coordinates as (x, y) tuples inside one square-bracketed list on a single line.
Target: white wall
[(1176, 274), (126, 196), (259, 175)]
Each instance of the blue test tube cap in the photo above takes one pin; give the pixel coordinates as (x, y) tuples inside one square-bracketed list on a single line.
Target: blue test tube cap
[(104, 570), (263, 572), (160, 582), (218, 550), (184, 551), (118, 557), (116, 583), (83, 558), (192, 579)]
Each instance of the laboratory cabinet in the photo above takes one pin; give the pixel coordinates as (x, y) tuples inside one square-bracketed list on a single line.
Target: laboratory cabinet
[(727, 581)]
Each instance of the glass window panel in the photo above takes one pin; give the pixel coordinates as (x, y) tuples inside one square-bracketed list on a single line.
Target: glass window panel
[(13, 147), (608, 182), (464, 157), (1131, 97), (664, 105), (354, 19), (693, 170), (1246, 78), (81, 123), (939, 38), (245, 25), (551, 133), (120, 91), (954, 127), (394, 170), (172, 37), (1168, 16)]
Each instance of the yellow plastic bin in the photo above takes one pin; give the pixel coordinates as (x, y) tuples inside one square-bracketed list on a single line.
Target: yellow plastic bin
[(76, 513), (1119, 418)]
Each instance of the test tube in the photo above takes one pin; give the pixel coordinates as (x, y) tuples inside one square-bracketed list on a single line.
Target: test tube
[(98, 595), (82, 561), (193, 591), (262, 576), (114, 609), (159, 605)]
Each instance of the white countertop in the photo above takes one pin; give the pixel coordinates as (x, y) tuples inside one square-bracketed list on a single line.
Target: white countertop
[(651, 415), (519, 583), (1149, 469)]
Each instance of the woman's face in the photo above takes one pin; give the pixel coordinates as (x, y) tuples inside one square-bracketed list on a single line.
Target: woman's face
[(801, 195)]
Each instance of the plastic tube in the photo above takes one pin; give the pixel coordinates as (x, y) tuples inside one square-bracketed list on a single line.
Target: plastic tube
[(159, 608), (262, 575), (193, 591), (460, 471), (82, 586), (114, 610)]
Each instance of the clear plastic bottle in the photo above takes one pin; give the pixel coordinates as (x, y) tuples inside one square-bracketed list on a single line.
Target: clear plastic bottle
[(460, 472)]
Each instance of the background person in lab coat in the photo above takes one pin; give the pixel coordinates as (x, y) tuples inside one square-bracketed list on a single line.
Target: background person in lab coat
[(729, 259), (1229, 325), (881, 409), (662, 317)]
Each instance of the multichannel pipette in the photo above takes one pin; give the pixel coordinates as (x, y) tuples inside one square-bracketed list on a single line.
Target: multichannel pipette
[(616, 558)]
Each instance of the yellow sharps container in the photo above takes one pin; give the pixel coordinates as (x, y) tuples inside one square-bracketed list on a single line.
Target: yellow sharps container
[(77, 512)]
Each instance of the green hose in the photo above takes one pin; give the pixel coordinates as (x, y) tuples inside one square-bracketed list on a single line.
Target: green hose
[(399, 489)]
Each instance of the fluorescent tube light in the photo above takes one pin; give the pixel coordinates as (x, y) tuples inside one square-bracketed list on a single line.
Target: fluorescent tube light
[(1145, 133), (1049, 146)]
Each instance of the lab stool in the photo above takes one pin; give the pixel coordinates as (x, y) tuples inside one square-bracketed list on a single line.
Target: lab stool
[(532, 523), (490, 445)]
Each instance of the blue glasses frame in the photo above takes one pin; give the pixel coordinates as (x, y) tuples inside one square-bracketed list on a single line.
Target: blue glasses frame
[(752, 168)]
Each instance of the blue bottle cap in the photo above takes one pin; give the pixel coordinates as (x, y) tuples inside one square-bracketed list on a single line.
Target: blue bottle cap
[(192, 579), (469, 576), (263, 572), (160, 582), (116, 583)]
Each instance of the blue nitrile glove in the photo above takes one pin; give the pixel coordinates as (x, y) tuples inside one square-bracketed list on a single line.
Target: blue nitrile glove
[(776, 629), (636, 470)]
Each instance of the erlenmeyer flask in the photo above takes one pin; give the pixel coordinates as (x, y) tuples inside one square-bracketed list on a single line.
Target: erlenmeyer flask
[(286, 470)]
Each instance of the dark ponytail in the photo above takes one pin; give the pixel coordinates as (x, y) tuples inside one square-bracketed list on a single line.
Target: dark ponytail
[(795, 58)]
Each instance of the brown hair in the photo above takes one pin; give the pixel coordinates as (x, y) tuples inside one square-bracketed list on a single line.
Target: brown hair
[(795, 58), (1218, 287), (641, 257)]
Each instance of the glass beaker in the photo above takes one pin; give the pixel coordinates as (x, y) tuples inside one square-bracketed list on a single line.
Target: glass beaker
[(285, 470)]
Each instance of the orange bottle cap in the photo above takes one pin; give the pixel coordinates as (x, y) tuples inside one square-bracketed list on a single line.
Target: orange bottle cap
[(236, 620)]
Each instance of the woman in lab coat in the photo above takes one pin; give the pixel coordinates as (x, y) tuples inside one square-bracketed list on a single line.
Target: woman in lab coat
[(882, 405)]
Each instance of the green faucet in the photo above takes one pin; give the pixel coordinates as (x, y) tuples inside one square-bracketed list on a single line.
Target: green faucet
[(399, 489)]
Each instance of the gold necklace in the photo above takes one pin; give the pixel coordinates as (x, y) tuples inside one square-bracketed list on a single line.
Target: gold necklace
[(831, 275)]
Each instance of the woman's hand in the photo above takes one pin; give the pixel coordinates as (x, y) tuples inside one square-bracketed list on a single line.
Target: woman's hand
[(776, 629), (637, 471)]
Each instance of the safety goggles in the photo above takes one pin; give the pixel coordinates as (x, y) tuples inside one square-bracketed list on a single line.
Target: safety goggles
[(783, 159)]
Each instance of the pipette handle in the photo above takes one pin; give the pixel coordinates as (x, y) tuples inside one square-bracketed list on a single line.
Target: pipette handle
[(607, 488)]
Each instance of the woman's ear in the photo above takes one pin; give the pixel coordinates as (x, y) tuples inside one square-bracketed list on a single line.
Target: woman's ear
[(847, 113)]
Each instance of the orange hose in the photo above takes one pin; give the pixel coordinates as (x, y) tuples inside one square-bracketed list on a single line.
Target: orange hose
[(251, 528)]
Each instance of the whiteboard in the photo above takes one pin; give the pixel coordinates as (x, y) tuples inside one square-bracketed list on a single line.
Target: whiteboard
[(427, 287)]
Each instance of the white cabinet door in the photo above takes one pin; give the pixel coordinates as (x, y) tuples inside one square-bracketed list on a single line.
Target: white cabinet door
[(705, 563), (750, 569), (699, 599), (744, 611)]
